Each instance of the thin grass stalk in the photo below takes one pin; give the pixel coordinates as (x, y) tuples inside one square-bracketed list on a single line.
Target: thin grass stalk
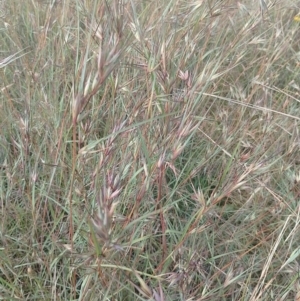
[(159, 204)]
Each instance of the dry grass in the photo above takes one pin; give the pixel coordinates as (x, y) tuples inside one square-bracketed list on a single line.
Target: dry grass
[(149, 150)]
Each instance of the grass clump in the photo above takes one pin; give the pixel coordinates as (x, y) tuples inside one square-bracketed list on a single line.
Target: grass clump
[(149, 150)]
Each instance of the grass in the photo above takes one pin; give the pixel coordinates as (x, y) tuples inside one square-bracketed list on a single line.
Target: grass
[(149, 150)]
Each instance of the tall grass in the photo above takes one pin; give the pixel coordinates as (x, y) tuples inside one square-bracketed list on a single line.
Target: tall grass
[(149, 150)]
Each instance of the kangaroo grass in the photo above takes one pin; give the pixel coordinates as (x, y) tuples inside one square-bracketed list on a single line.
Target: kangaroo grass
[(149, 150)]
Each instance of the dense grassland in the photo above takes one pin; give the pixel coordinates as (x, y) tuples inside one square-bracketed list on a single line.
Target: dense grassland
[(149, 150)]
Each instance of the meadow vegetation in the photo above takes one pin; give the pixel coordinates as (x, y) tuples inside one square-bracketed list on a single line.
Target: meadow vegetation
[(149, 150)]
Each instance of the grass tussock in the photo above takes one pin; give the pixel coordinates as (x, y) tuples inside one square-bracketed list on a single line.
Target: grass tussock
[(149, 150)]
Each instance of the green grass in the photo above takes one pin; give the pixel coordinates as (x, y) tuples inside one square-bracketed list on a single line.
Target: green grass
[(149, 150)]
